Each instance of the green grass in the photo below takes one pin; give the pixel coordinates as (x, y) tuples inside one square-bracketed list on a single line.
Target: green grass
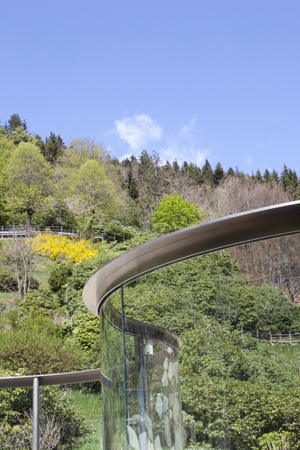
[(43, 270), (292, 353), (91, 406)]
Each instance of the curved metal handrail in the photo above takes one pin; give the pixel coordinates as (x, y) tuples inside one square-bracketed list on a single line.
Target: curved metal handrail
[(255, 225)]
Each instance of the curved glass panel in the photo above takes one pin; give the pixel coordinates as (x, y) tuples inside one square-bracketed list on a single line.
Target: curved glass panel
[(141, 399), (113, 392)]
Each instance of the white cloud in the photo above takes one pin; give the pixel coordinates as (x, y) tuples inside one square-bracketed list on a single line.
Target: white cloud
[(127, 155), (187, 130), (185, 147), (249, 160), (138, 130), (182, 153)]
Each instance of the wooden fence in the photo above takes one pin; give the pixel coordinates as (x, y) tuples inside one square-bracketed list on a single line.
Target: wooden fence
[(275, 337), (25, 231)]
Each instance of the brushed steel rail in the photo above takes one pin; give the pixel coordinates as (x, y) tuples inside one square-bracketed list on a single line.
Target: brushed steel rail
[(82, 376), (250, 226)]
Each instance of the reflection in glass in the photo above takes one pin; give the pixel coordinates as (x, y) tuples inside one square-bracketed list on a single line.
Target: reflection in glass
[(146, 394)]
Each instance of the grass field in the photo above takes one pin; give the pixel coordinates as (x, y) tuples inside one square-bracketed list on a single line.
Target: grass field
[(91, 406)]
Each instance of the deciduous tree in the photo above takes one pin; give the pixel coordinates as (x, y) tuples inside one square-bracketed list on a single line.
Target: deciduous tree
[(95, 192), (173, 213), (28, 178)]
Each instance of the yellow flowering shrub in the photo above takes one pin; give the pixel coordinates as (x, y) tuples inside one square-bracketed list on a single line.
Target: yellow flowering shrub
[(55, 245)]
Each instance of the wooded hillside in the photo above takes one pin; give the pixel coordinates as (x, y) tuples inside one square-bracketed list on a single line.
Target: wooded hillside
[(237, 392)]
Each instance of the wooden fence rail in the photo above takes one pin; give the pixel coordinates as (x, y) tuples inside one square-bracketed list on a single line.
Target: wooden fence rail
[(25, 231), (291, 337)]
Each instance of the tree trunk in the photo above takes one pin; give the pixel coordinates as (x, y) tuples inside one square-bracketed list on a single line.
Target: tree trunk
[(28, 220)]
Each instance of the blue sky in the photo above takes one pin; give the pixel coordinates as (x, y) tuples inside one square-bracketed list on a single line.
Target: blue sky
[(191, 79)]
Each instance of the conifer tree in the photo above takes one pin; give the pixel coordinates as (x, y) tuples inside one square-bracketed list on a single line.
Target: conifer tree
[(15, 122), (258, 176), (218, 173), (267, 176), (289, 179), (53, 148), (207, 173), (194, 174), (230, 172), (176, 167), (184, 167), (131, 186), (274, 176)]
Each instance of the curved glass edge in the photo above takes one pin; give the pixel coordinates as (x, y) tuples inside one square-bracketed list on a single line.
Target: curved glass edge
[(141, 398)]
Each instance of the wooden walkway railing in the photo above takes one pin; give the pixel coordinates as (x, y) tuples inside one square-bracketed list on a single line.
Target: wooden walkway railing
[(291, 337), (25, 231)]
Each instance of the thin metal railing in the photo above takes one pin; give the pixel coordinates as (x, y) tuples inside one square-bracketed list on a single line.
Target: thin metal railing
[(35, 381)]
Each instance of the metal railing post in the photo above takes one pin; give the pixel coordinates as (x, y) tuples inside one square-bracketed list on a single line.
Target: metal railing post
[(35, 413)]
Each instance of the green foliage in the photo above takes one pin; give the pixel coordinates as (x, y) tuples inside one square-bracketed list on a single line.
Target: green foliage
[(15, 122), (53, 148), (244, 393), (16, 405), (59, 275), (173, 213), (279, 441), (270, 414), (218, 174), (232, 389), (289, 179), (115, 230), (28, 180), (7, 282), (207, 175), (19, 135), (95, 192), (131, 215), (34, 345), (39, 302), (131, 186), (84, 328), (56, 214)]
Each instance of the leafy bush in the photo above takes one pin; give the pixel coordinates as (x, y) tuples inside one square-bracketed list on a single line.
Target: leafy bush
[(34, 345), (39, 302), (7, 282), (59, 275), (115, 230)]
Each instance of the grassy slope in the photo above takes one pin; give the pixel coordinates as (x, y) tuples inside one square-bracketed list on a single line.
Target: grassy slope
[(91, 406)]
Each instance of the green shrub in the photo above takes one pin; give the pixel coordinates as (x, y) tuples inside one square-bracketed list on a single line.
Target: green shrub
[(35, 346), (115, 230), (39, 302), (59, 275)]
